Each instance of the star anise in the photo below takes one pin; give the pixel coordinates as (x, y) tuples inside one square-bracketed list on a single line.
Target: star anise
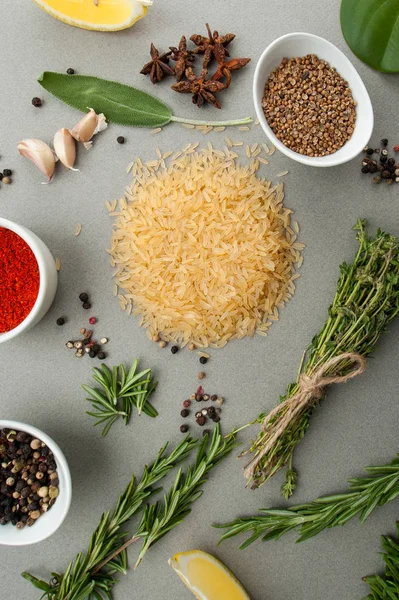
[(157, 67), (224, 69), (184, 58), (213, 46), (202, 89)]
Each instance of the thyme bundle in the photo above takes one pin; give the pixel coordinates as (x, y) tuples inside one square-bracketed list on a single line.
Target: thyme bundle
[(364, 496), (366, 301), (90, 576)]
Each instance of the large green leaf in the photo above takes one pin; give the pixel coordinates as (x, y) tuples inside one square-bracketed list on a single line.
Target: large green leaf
[(371, 29), (120, 103)]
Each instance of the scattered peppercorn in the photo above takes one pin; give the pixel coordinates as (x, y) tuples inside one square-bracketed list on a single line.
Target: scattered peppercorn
[(101, 355), (184, 413), (69, 345), (384, 152), (214, 397), (369, 151), (203, 360), (184, 428), (36, 101), (187, 403), (92, 320), (201, 421), (391, 161), (84, 297), (120, 139), (174, 349), (201, 375), (92, 354), (365, 169), (384, 142), (7, 172), (219, 401), (1, 176), (383, 159), (6, 180), (71, 71), (60, 321), (86, 305), (396, 148)]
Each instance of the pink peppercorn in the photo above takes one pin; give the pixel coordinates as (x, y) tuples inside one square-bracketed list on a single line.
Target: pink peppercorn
[(92, 320)]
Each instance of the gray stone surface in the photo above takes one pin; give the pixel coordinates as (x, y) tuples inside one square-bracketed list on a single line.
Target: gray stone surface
[(40, 380)]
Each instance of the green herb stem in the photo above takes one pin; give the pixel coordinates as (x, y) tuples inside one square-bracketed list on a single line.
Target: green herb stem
[(234, 122), (364, 496), (366, 301)]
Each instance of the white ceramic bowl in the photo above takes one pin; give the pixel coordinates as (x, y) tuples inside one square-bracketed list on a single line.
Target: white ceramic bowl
[(300, 44), (50, 521), (48, 279)]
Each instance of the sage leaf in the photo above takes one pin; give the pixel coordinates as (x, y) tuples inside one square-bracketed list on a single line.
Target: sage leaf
[(120, 103), (371, 30)]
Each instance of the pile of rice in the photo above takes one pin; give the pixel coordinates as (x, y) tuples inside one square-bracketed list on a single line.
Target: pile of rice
[(203, 248)]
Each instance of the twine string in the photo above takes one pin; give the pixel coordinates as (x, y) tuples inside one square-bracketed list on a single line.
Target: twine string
[(311, 390)]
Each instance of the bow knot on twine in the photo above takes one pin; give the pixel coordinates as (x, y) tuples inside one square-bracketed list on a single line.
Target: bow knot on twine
[(311, 390)]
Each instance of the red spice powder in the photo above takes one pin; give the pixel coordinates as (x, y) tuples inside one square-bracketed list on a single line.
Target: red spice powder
[(19, 280)]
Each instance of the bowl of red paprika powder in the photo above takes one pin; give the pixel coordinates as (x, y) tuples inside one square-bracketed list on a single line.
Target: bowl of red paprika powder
[(28, 279)]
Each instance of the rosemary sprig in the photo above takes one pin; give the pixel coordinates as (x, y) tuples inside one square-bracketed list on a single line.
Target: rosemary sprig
[(161, 517), (366, 301), (121, 391), (387, 586), (364, 495), (86, 576)]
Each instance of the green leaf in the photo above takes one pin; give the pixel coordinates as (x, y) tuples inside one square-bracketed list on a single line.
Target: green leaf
[(120, 103), (371, 30)]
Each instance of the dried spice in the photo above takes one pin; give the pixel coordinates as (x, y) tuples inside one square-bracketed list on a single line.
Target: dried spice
[(28, 478), (226, 67), (184, 58), (158, 66), (213, 46), (387, 168), (202, 89), (19, 280), (309, 106)]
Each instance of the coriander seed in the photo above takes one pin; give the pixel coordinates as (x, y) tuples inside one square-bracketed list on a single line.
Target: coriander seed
[(201, 375)]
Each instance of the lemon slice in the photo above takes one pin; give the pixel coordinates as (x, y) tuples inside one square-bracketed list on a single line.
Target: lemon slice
[(100, 15), (207, 577)]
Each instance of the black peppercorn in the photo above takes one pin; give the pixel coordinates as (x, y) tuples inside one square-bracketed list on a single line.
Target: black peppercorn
[(174, 349), (120, 139), (369, 151), (86, 305), (92, 354), (384, 142), (386, 174), (365, 169), (201, 421), (7, 172), (1, 176), (383, 159), (184, 428), (391, 161), (71, 71), (372, 169), (96, 348), (36, 101), (216, 419), (101, 355), (60, 321), (184, 413), (83, 297), (203, 360)]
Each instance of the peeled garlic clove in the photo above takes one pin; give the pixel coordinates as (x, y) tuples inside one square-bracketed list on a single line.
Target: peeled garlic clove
[(65, 148), (40, 154), (89, 126)]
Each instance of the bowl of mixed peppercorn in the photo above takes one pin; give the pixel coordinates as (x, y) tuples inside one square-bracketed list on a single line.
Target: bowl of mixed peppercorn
[(35, 485), (28, 280)]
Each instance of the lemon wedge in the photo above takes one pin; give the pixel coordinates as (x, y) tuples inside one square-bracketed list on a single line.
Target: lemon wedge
[(100, 15), (207, 577)]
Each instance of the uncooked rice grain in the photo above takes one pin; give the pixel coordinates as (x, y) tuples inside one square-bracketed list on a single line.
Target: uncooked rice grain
[(202, 251)]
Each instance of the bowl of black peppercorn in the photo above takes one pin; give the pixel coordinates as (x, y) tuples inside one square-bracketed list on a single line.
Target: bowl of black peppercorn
[(35, 484)]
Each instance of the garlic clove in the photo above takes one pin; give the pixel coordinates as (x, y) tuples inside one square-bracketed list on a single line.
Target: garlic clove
[(89, 125), (65, 148), (40, 154)]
